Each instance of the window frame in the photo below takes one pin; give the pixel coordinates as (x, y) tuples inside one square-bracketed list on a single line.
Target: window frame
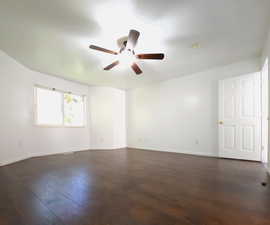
[(62, 108)]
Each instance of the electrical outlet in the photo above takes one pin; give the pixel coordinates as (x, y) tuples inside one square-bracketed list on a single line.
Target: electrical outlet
[(196, 141)]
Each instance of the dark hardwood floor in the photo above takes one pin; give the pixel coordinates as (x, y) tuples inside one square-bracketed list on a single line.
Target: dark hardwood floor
[(128, 187)]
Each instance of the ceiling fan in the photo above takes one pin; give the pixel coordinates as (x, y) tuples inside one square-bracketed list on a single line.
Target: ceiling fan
[(127, 53)]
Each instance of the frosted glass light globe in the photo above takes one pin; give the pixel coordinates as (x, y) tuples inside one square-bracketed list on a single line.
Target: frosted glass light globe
[(126, 58)]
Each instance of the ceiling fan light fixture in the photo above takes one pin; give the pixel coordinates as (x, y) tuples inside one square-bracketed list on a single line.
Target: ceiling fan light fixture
[(126, 58), (126, 55)]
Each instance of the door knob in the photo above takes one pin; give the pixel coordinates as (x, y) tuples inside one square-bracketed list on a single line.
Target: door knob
[(220, 122)]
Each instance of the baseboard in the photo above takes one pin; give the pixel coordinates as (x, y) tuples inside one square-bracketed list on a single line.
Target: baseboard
[(11, 161), (14, 160), (70, 152), (197, 153), (115, 148)]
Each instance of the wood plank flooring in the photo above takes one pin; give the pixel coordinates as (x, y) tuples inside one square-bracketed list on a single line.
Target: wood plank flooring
[(133, 187)]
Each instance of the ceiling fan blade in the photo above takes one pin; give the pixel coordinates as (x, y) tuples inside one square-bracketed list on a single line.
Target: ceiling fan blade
[(156, 56), (111, 65), (136, 68), (103, 49), (132, 39)]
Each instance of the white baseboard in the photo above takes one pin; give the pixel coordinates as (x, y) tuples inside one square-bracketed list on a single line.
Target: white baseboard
[(182, 151), (10, 161), (106, 148)]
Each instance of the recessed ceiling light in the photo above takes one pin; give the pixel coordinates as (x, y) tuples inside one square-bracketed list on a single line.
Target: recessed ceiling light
[(195, 45)]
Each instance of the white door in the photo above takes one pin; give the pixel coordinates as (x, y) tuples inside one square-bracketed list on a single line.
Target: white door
[(240, 117)]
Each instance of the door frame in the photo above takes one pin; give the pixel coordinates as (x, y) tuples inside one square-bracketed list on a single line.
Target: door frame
[(265, 111)]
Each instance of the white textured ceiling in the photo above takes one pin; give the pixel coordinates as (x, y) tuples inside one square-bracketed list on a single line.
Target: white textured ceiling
[(53, 36)]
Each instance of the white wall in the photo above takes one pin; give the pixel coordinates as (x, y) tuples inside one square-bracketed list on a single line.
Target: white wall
[(20, 138), (176, 115), (181, 114), (108, 118)]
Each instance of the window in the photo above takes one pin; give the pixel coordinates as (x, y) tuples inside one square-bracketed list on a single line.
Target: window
[(73, 110), (57, 108)]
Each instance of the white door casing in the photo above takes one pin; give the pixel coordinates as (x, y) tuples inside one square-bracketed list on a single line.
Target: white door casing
[(240, 117), (265, 105)]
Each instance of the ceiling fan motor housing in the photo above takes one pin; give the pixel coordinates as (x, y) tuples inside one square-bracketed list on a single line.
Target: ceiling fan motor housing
[(122, 44), (122, 41)]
